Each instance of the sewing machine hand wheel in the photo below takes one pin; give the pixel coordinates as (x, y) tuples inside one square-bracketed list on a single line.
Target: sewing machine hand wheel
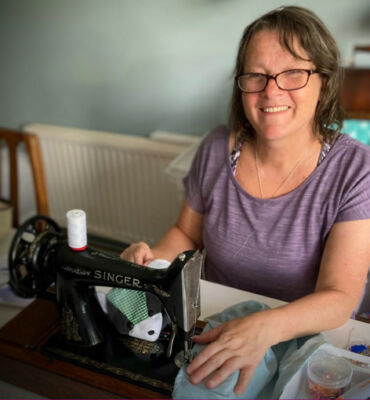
[(30, 257)]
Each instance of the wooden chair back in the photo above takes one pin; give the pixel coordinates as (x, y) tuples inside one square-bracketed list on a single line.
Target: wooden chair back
[(12, 139)]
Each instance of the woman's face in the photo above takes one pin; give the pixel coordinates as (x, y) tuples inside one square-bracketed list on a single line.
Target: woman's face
[(276, 113)]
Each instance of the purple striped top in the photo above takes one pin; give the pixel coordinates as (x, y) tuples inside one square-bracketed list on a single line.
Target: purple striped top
[(274, 246)]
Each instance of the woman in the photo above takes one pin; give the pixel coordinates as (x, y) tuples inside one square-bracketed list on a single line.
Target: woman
[(280, 200)]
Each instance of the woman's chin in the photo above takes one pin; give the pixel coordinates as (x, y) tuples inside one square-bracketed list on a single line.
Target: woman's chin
[(272, 134)]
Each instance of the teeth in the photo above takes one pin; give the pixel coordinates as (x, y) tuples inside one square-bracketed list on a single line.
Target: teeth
[(275, 109)]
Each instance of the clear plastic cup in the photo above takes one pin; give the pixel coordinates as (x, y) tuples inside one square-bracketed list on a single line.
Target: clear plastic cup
[(359, 344), (328, 376)]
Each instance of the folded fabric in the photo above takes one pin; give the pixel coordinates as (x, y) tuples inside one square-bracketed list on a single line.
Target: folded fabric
[(263, 380)]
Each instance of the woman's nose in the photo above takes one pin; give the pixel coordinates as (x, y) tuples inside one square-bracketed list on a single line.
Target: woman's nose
[(272, 88)]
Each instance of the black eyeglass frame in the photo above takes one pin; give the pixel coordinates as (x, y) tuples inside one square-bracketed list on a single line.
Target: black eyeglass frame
[(274, 77)]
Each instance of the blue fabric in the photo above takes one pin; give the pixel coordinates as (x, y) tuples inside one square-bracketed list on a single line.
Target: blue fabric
[(358, 129), (264, 378), (293, 361)]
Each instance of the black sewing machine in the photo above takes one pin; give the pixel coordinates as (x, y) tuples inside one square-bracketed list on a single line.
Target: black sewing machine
[(40, 256)]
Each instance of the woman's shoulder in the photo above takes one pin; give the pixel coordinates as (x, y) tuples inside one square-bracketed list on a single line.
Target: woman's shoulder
[(349, 178), (215, 140), (221, 136), (354, 150), (345, 141), (348, 159), (218, 134)]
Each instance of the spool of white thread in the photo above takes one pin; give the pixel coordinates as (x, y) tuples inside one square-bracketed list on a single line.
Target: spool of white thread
[(76, 229)]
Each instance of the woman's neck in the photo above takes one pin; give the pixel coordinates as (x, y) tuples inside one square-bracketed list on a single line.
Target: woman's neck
[(281, 154)]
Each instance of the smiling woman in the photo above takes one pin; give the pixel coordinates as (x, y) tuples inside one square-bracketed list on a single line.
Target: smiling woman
[(279, 199), (308, 35), (292, 102), (280, 92)]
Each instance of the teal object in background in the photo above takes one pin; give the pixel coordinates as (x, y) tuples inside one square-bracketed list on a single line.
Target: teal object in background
[(358, 129)]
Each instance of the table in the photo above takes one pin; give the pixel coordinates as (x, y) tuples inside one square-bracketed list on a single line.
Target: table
[(8, 312), (20, 365), (215, 297)]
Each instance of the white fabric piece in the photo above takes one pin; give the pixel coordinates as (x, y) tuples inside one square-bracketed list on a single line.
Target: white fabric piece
[(149, 329), (159, 263)]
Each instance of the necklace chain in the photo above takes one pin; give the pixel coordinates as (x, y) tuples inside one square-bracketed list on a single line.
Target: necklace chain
[(300, 160)]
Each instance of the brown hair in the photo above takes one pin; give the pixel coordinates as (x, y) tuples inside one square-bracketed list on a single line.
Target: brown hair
[(297, 22)]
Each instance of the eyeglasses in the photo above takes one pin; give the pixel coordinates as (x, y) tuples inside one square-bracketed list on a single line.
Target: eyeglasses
[(292, 79)]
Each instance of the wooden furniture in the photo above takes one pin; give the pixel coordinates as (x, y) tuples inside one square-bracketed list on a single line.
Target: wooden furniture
[(355, 94), (24, 365), (12, 139)]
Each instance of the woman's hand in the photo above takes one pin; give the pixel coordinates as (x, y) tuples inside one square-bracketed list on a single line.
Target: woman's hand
[(138, 253), (237, 344), (184, 235)]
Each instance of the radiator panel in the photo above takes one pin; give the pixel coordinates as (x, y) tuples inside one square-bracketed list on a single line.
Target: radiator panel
[(118, 180)]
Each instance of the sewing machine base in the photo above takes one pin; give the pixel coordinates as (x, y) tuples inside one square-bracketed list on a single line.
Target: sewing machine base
[(115, 358), (31, 358)]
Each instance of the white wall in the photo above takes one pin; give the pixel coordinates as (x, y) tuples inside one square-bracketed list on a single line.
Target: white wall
[(136, 65)]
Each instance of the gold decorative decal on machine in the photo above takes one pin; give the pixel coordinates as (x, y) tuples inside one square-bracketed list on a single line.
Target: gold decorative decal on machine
[(140, 346), (102, 366), (76, 270), (155, 289), (69, 325)]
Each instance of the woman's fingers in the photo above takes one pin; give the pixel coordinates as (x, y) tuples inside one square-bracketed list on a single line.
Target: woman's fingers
[(207, 368), (237, 344), (221, 351), (138, 253), (142, 253), (209, 336), (245, 376), (229, 365), (207, 352), (220, 366)]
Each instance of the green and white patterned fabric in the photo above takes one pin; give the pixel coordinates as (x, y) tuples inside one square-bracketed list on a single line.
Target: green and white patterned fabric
[(131, 303)]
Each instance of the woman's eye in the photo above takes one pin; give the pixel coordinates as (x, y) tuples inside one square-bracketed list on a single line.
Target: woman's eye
[(255, 77), (294, 72)]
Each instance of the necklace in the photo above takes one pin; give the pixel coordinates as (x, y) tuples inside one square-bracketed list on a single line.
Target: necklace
[(300, 160)]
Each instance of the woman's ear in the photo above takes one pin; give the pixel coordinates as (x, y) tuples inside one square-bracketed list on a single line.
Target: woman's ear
[(324, 82)]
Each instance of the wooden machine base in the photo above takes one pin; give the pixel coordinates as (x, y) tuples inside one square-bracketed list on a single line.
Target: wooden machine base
[(24, 365)]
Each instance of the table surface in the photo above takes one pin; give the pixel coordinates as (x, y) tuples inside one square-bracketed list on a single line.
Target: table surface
[(214, 298)]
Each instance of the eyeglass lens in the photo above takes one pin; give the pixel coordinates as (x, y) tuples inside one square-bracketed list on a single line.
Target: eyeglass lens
[(287, 80)]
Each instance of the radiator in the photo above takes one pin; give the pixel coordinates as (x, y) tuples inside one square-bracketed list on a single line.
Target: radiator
[(118, 179)]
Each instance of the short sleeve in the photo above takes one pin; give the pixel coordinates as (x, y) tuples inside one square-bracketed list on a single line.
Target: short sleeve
[(205, 167), (355, 203), (192, 182)]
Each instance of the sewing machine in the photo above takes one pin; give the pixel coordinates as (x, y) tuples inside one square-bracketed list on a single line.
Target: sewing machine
[(39, 256)]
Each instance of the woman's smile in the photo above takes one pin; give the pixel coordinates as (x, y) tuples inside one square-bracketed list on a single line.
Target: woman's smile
[(274, 109)]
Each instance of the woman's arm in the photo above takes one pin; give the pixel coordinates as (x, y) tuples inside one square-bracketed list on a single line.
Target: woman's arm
[(186, 234), (242, 343), (343, 270)]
